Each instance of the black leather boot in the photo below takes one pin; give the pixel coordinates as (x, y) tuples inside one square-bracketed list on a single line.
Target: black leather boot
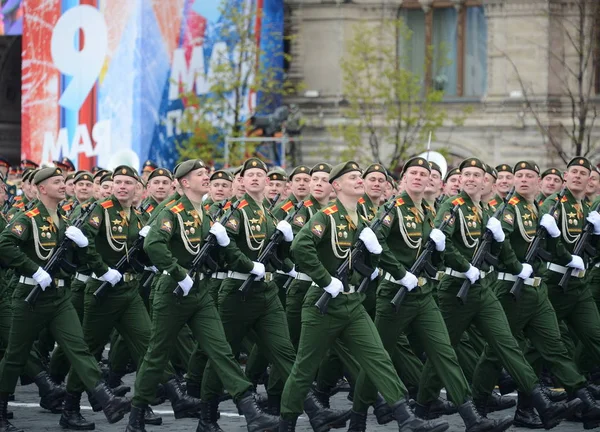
[(5, 425), (506, 383), (321, 418), (96, 407), (497, 402), (273, 405), (594, 390), (555, 395), (288, 425), (551, 413), (435, 409), (71, 417), (525, 415), (193, 389), (161, 395), (358, 422), (114, 407), (136, 419), (408, 422), (183, 405), (382, 411), (475, 422), (52, 395), (116, 384), (208, 417), (151, 418), (590, 409), (256, 419)]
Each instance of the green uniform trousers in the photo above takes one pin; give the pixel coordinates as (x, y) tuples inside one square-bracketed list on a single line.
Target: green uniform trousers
[(531, 317), (420, 315), (483, 309), (197, 310), (261, 315), (54, 311), (348, 321), (583, 359), (121, 308)]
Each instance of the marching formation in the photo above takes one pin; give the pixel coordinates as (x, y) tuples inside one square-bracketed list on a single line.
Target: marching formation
[(482, 282)]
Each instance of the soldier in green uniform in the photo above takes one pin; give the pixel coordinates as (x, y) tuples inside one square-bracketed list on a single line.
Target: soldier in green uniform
[(259, 311), (402, 235), (551, 183), (532, 316), (29, 194), (96, 179), (452, 183), (593, 186), (111, 228), (26, 245), (505, 179), (481, 308), (172, 242), (276, 186), (434, 188), (320, 247), (238, 185), (159, 187)]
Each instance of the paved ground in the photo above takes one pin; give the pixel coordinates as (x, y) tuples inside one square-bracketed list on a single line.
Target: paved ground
[(30, 417)]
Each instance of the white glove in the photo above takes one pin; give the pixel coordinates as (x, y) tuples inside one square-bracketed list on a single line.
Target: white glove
[(258, 270), (473, 274), (526, 272), (112, 276), (549, 223), (292, 273), (286, 230), (42, 278), (77, 236), (439, 239), (152, 269), (144, 231), (220, 233), (375, 274), (576, 263), (186, 285), (335, 287), (495, 227), (410, 281), (594, 218), (370, 240)]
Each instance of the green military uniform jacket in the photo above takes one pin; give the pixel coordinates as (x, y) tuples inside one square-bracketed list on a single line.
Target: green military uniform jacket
[(171, 199), (367, 207), (325, 242), (110, 234), (17, 207)]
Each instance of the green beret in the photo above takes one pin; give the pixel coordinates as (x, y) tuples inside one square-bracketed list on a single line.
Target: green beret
[(100, 173), (552, 171), (491, 171), (83, 176), (435, 167), (45, 173), (580, 161), (300, 169), (160, 172), (71, 176), (522, 165), (125, 170), (504, 167), (375, 168), (321, 167), (452, 172), (277, 174), (341, 169), (416, 162), (188, 166), (149, 166), (107, 176), (253, 163), (27, 173), (238, 170), (472, 163), (221, 175)]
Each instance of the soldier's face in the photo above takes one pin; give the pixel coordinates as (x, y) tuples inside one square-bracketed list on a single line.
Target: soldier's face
[(275, 187), (452, 185), (83, 190), (53, 188), (435, 183), (388, 191), (488, 185), (592, 186), (159, 187), (505, 182), (319, 186), (124, 187), (139, 194), (471, 180), (31, 191), (198, 181), (526, 182), (254, 180), (220, 190), (105, 190), (374, 185), (3, 192), (577, 178), (551, 184), (416, 179), (301, 185), (238, 186), (97, 189), (70, 185), (350, 184), (3, 171)]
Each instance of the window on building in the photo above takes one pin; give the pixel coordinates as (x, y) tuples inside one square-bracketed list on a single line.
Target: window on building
[(448, 47)]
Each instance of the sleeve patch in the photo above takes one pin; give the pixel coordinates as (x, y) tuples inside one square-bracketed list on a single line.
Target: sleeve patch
[(233, 223), (447, 216), (387, 220), (317, 229), (95, 221), (166, 225), (508, 218), (18, 229), (299, 220)]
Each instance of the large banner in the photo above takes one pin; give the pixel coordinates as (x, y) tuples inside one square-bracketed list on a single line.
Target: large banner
[(102, 79)]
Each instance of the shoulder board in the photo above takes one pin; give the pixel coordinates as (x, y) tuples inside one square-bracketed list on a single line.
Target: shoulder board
[(361, 200), (514, 201), (20, 204), (493, 202), (287, 206), (206, 207), (540, 202), (177, 208), (33, 213), (308, 203), (170, 202), (67, 207), (107, 204), (150, 208), (227, 205), (459, 201), (18, 198), (564, 199), (136, 211), (330, 210), (243, 204), (399, 202)]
